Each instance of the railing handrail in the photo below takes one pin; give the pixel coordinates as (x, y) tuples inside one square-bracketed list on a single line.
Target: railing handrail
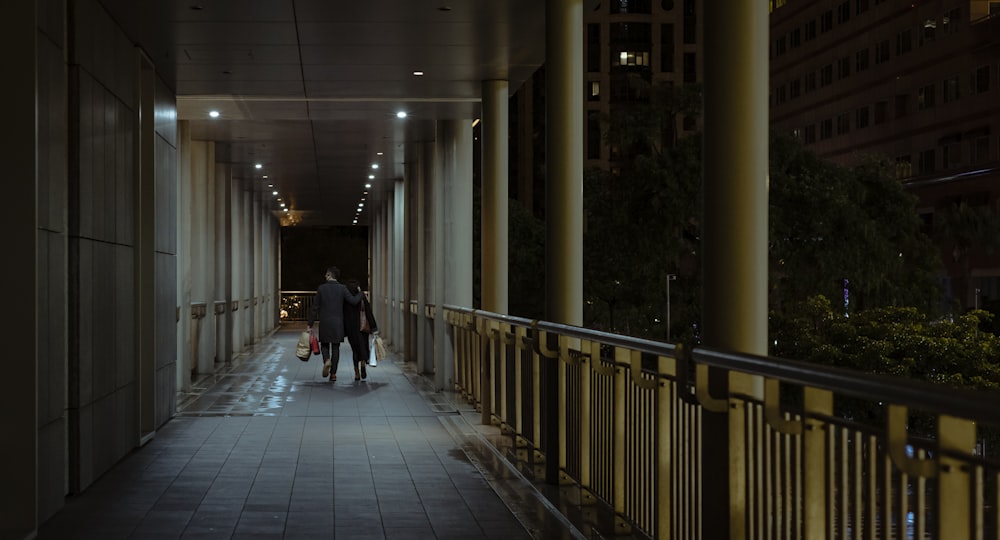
[(298, 292), (657, 348), (917, 394)]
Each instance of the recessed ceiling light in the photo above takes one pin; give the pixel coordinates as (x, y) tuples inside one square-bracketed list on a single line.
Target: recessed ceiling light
[(282, 205), (270, 185), (259, 166), (371, 176), (275, 193), (401, 114), (286, 209), (213, 114), (368, 186), (378, 153), (374, 165), (265, 176), (418, 73)]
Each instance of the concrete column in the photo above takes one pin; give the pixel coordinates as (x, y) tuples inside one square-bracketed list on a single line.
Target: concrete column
[(257, 226), (224, 263), (734, 237), (438, 268), (495, 178), (430, 206), (564, 161), (390, 260), (239, 264), (457, 138), (19, 463), (201, 265), (420, 327), (399, 271), (409, 270), (187, 150), (248, 263)]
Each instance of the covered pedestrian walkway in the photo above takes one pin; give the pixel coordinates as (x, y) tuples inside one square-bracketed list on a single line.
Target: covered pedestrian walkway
[(269, 449)]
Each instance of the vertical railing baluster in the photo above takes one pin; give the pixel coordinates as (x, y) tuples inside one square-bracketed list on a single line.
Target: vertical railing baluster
[(665, 401), (856, 489)]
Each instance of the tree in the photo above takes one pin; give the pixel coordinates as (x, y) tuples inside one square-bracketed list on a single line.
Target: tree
[(966, 229), (850, 233)]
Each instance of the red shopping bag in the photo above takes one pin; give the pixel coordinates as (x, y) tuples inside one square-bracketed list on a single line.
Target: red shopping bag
[(314, 344)]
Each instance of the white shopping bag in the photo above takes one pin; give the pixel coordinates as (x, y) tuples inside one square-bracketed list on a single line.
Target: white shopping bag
[(372, 361)]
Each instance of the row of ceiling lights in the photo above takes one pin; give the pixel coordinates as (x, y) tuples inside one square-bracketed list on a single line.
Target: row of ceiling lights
[(368, 185)]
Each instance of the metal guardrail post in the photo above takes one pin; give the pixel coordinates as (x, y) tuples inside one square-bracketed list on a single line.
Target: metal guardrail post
[(956, 439), (818, 404), (555, 432)]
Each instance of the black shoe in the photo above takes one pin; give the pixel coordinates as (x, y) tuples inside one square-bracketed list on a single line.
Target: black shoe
[(364, 372)]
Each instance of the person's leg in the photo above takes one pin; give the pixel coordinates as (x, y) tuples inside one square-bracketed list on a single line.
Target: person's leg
[(325, 349), (334, 360), (355, 353), (363, 352)]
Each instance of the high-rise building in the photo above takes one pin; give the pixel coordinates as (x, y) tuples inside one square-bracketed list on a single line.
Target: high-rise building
[(655, 40), (915, 81)]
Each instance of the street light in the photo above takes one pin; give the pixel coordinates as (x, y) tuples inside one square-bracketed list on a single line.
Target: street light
[(670, 277)]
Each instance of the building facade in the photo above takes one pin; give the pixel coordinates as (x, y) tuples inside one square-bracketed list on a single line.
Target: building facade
[(916, 82)]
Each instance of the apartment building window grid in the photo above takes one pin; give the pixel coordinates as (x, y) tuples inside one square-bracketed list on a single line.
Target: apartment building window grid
[(862, 117), (844, 67), (882, 52), (826, 129), (810, 82), (794, 88), (860, 6), (594, 47), (927, 33), (810, 30), (881, 113), (690, 68), (949, 23), (809, 136), (904, 42), (667, 48), (861, 60), (925, 97), (951, 90), (844, 12), (690, 22), (981, 80), (826, 75), (826, 22), (843, 124), (925, 164), (630, 6)]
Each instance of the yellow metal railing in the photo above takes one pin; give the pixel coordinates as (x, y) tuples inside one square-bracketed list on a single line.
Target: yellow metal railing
[(622, 419)]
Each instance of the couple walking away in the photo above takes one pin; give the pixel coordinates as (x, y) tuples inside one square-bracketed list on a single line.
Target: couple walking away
[(338, 309)]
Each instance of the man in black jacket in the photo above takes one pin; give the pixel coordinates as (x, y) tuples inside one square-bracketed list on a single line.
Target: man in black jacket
[(328, 308)]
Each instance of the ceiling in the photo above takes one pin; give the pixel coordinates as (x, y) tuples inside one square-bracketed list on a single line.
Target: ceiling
[(310, 88)]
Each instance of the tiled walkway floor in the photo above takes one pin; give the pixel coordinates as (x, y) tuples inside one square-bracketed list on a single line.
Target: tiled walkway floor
[(270, 450)]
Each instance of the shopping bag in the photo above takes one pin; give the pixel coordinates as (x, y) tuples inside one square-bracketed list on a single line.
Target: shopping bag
[(302, 349), (380, 351), (372, 360), (314, 343)]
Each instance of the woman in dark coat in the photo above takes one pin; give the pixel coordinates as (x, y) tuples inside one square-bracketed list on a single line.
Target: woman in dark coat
[(328, 308), (352, 327)]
